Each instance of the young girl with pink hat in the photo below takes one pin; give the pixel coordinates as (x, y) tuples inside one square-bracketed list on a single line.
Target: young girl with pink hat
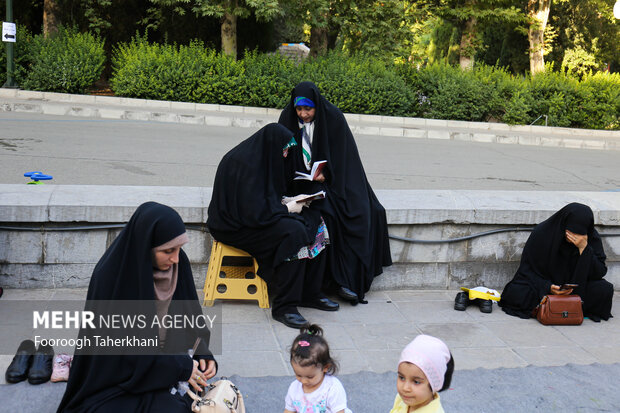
[(424, 369)]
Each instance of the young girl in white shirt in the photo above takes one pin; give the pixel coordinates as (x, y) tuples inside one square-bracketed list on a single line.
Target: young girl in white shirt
[(316, 388), (424, 369)]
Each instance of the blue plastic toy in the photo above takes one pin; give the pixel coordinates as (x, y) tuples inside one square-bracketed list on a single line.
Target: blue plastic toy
[(37, 176)]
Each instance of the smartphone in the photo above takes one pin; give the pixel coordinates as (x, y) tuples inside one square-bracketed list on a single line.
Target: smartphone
[(568, 286)]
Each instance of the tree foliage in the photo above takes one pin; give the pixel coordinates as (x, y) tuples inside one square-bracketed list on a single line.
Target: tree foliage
[(581, 36)]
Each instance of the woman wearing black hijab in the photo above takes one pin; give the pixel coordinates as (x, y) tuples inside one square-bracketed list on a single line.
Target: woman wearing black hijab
[(355, 218), (564, 249), (145, 263), (247, 212)]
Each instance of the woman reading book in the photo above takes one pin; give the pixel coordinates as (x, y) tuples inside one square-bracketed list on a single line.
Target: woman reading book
[(248, 210), (355, 218)]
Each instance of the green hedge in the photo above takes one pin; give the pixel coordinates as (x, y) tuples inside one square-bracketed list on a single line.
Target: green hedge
[(268, 80), (189, 73), (71, 61), (492, 94), (67, 61), (21, 55), (195, 74), (359, 84)]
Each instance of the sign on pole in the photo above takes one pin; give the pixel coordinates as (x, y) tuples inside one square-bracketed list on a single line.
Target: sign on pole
[(9, 32)]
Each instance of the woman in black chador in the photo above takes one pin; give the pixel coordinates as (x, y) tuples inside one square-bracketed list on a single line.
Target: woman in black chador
[(248, 210), (145, 263), (564, 249), (355, 218)]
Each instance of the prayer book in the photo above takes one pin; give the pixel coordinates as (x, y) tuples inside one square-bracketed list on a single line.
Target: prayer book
[(317, 168), (312, 197)]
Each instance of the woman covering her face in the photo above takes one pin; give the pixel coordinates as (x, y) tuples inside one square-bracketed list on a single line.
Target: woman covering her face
[(564, 249), (144, 264), (355, 218), (247, 212)]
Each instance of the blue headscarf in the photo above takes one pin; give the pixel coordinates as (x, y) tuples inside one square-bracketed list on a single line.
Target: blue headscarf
[(302, 101)]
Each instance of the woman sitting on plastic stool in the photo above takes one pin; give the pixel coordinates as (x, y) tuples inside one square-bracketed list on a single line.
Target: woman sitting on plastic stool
[(249, 211)]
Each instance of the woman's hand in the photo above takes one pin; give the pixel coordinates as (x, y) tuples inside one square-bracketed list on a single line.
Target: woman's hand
[(208, 368), (579, 241), (320, 178), (294, 207), (555, 290), (197, 380)]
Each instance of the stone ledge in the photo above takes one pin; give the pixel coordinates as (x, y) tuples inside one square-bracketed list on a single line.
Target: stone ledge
[(41, 259), (107, 203)]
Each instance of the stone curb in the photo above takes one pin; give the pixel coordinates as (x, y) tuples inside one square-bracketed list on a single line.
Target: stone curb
[(109, 107), (93, 203), (36, 258)]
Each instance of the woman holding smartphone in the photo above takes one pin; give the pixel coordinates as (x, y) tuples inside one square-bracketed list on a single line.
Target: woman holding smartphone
[(563, 255)]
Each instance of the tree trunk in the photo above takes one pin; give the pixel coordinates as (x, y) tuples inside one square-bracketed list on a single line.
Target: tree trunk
[(318, 41), (468, 48), (50, 17), (229, 34), (538, 12)]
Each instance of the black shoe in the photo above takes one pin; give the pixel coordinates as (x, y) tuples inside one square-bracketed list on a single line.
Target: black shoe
[(18, 369), (347, 294), (293, 320), (323, 303), (42, 365), (486, 306), (461, 301)]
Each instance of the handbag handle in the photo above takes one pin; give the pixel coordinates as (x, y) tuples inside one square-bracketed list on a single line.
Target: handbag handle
[(535, 310), (193, 395)]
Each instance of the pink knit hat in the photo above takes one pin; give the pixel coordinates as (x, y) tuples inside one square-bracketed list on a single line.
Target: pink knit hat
[(431, 355)]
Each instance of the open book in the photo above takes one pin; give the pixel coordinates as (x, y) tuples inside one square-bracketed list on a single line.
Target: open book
[(312, 197), (482, 293), (317, 168)]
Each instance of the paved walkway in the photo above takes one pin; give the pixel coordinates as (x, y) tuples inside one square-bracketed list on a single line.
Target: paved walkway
[(370, 337), (107, 107)]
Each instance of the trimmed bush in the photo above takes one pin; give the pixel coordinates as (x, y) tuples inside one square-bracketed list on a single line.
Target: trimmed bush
[(600, 101), (492, 94), (556, 95), (359, 84), (189, 73), (195, 74), (447, 92), (67, 61), (268, 80), (517, 109), (21, 56), (71, 62)]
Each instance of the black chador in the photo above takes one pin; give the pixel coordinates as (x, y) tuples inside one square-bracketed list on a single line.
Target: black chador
[(132, 382), (246, 211), (355, 218), (550, 259)]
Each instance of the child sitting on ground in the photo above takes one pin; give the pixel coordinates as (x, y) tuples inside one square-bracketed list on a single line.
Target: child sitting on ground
[(425, 368), (316, 388)]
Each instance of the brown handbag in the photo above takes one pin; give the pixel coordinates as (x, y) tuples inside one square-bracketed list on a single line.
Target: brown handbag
[(560, 310)]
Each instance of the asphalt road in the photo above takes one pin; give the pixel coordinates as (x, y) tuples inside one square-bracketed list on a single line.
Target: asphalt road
[(124, 152)]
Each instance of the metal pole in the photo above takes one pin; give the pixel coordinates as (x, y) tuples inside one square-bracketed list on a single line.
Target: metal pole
[(10, 62)]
